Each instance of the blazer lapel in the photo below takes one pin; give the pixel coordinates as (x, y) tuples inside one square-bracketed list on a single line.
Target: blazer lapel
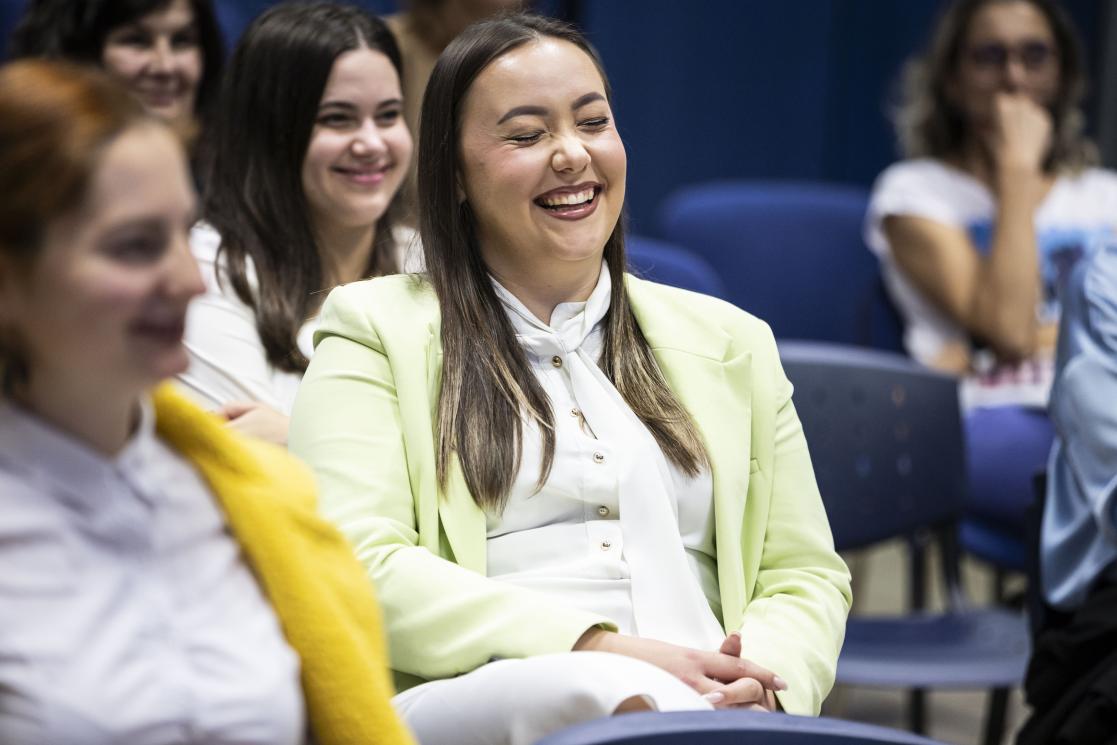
[(714, 386), (461, 518)]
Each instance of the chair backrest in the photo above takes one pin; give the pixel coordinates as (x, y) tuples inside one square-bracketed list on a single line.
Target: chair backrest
[(885, 437), (727, 727), (791, 253), (664, 262)]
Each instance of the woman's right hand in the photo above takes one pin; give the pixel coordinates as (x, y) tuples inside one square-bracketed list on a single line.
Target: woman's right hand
[(713, 674), (256, 420), (1021, 134)]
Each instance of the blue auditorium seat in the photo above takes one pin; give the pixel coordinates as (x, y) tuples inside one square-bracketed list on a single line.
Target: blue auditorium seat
[(726, 727), (885, 436), (791, 253), (663, 262)]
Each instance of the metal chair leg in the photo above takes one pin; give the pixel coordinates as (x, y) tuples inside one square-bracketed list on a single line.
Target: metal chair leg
[(996, 713), (917, 711)]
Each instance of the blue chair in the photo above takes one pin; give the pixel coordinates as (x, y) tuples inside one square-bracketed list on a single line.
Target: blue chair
[(1009, 445), (662, 262), (886, 441), (727, 727), (792, 254)]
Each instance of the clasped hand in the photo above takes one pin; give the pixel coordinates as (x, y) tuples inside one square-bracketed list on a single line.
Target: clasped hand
[(722, 677)]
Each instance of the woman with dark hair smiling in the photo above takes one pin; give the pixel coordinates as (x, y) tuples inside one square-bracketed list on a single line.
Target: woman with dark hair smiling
[(978, 229), (168, 53), (535, 453), (308, 153)]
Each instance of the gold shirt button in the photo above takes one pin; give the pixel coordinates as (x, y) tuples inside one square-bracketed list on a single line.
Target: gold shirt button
[(603, 511), (606, 545), (599, 457), (556, 361), (575, 412)]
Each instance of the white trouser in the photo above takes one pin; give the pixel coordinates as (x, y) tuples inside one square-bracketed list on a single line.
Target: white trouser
[(516, 702)]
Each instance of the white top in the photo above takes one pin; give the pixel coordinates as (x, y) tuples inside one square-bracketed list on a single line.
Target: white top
[(572, 538), (126, 611), (227, 357), (1076, 215)]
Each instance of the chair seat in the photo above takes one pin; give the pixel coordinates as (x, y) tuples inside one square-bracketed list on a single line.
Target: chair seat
[(727, 727), (998, 547), (978, 649)]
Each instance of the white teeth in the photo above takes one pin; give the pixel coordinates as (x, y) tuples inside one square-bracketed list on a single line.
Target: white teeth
[(568, 199)]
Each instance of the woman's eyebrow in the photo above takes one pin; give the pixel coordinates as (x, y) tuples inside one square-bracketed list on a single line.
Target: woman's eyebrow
[(586, 99), (524, 111)]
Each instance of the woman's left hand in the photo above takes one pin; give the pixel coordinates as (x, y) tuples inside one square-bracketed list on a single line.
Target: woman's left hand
[(744, 693)]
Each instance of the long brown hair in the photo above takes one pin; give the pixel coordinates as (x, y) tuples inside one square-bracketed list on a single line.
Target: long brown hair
[(930, 125), (56, 119), (487, 384), (254, 194)]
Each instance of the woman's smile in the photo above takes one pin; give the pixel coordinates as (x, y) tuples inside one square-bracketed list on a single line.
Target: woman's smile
[(570, 202)]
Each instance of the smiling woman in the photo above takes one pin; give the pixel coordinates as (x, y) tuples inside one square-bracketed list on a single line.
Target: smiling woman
[(168, 53), (309, 151), (535, 453), (144, 598)]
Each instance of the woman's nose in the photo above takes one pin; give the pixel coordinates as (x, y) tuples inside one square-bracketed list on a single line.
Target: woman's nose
[(570, 154)]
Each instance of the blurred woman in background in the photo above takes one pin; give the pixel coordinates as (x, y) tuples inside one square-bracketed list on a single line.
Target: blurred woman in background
[(166, 581), (309, 150), (535, 453), (978, 229), (168, 53)]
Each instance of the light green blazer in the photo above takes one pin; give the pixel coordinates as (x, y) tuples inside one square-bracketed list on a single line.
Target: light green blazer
[(365, 420)]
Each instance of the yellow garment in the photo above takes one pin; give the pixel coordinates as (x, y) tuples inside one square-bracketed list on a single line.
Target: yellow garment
[(307, 571)]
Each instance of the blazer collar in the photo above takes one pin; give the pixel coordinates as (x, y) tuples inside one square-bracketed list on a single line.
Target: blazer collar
[(665, 328)]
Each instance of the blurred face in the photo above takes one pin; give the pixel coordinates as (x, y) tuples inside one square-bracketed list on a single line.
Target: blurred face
[(541, 163), (159, 58), (360, 147), (102, 306), (1009, 48)]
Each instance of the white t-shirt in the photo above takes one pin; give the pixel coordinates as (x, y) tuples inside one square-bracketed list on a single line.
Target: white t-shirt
[(1077, 214), (227, 357)]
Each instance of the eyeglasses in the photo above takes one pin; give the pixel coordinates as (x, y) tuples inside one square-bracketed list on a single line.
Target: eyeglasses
[(1033, 55)]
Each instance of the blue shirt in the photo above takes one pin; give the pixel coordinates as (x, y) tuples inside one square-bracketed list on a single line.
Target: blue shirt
[(1080, 518)]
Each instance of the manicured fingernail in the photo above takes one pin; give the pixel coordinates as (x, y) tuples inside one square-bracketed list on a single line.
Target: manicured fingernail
[(779, 683), (715, 697)]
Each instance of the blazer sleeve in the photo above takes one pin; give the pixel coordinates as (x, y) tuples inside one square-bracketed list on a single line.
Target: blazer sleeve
[(375, 475), (795, 621)]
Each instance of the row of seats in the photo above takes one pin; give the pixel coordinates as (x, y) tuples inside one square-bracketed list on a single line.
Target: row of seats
[(788, 252)]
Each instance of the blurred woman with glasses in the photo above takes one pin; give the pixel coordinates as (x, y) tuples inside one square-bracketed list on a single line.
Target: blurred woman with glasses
[(977, 229)]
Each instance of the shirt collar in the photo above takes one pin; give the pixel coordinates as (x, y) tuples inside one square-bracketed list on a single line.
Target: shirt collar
[(66, 465), (570, 323)]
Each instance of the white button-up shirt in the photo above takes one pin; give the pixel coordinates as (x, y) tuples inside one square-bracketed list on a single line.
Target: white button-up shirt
[(566, 539), (126, 611)]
